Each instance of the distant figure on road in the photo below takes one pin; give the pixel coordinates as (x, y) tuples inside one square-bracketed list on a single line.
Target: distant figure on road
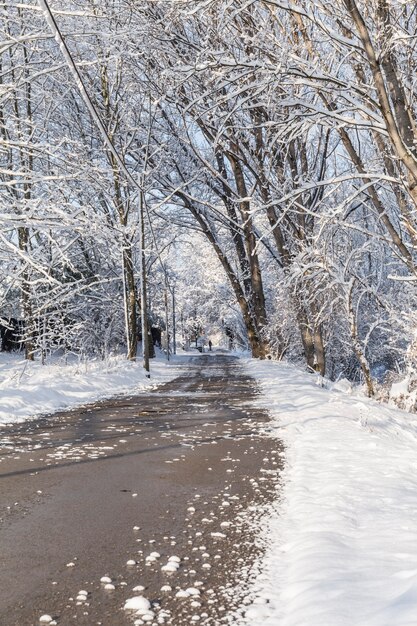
[(210, 345)]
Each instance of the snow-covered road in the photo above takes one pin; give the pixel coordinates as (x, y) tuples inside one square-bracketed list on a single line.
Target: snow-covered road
[(134, 510)]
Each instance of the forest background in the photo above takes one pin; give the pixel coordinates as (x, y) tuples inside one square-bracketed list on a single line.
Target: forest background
[(253, 160)]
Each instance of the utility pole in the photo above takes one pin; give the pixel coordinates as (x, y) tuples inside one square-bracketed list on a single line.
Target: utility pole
[(143, 290), (167, 317), (125, 306), (174, 324)]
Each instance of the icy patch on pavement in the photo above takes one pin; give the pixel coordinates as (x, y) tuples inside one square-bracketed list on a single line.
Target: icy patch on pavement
[(29, 388), (342, 544)]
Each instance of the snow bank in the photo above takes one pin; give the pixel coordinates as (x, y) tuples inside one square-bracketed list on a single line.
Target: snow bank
[(343, 537), (28, 389)]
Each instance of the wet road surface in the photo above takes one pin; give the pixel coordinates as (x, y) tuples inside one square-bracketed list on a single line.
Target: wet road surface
[(182, 471)]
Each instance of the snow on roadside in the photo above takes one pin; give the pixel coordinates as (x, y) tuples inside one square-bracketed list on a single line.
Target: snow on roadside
[(342, 538), (29, 388)]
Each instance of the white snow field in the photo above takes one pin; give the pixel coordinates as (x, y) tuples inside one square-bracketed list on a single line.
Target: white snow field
[(29, 388), (342, 536)]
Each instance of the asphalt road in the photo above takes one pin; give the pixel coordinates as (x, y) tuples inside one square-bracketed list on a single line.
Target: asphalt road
[(183, 470)]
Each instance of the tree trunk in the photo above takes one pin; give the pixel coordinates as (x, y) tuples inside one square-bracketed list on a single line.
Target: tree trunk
[(396, 118), (128, 269), (122, 211), (131, 298), (360, 355), (320, 355), (25, 291), (306, 334), (257, 296)]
